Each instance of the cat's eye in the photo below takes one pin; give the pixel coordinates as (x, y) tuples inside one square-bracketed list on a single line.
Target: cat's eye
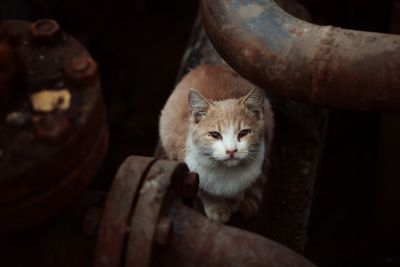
[(243, 133), (215, 135)]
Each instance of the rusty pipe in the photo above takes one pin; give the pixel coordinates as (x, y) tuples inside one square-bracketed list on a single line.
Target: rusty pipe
[(144, 223), (323, 65), (200, 242)]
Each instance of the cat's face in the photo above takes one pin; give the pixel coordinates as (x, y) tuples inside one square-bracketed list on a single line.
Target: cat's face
[(229, 132)]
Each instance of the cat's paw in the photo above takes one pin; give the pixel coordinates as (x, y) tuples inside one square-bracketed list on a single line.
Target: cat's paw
[(218, 213), (249, 207)]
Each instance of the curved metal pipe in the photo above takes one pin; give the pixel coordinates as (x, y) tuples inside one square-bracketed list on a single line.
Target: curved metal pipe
[(200, 242), (323, 65), (145, 224)]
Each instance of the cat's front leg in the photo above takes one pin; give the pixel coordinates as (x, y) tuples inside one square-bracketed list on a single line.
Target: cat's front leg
[(251, 202), (216, 209)]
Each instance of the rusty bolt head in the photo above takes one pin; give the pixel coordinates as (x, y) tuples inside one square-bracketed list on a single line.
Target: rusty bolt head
[(82, 71), (51, 128), (188, 185), (163, 231), (46, 31)]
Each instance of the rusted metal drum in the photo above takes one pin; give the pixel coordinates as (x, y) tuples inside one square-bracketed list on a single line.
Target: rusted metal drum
[(53, 132), (145, 223)]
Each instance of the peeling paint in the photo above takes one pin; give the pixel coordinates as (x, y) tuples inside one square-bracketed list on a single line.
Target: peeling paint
[(49, 100)]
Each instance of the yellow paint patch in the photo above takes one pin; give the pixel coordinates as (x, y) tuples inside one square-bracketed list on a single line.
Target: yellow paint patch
[(250, 11), (49, 100)]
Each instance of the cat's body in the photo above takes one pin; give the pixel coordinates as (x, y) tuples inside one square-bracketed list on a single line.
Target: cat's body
[(221, 126)]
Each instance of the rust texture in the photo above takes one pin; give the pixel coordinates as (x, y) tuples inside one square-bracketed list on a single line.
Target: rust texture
[(299, 134), (143, 226), (47, 157), (118, 209), (322, 65), (200, 242), (81, 71), (45, 31), (143, 222), (161, 231)]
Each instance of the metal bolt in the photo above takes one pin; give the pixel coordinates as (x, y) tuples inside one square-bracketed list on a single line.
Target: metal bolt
[(188, 185), (82, 71), (51, 128), (163, 231), (46, 31)]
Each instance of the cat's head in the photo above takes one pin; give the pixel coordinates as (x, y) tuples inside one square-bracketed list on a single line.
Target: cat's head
[(229, 132)]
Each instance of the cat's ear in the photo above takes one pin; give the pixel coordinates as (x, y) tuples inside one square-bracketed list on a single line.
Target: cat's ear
[(198, 105), (254, 101)]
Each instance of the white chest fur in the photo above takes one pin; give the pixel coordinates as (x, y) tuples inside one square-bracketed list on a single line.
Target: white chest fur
[(220, 180)]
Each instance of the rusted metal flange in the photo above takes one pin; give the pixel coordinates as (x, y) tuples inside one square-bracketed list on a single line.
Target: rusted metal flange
[(53, 134), (323, 65), (135, 215), (118, 209), (145, 224)]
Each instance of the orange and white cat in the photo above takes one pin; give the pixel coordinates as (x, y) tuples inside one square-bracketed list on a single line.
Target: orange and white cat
[(221, 126)]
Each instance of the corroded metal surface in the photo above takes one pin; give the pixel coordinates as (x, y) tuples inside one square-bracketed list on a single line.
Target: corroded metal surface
[(118, 209), (50, 147), (200, 242), (161, 231), (323, 65), (148, 212)]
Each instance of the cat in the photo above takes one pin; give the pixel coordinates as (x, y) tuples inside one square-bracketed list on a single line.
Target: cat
[(221, 126)]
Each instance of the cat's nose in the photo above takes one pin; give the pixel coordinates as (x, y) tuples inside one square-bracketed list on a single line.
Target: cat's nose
[(231, 152)]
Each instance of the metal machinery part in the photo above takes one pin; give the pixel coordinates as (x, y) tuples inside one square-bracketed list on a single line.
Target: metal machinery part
[(145, 223), (53, 131), (322, 65)]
